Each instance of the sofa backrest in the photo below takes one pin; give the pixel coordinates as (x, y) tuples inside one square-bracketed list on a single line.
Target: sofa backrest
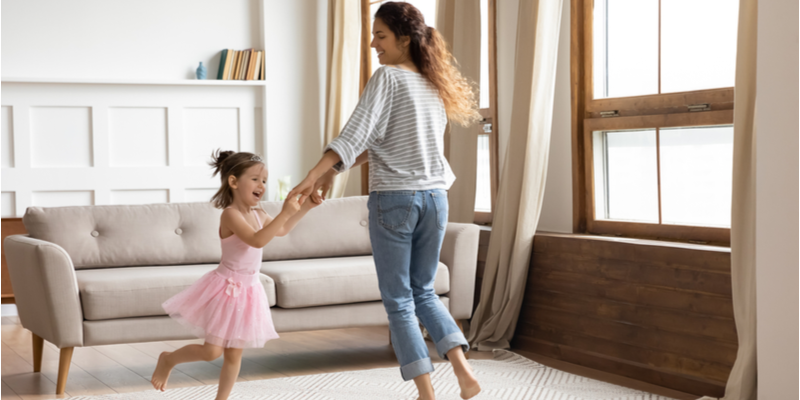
[(187, 233), (336, 228), (115, 236)]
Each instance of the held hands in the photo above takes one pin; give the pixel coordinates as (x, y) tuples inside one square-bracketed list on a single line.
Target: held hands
[(311, 185), (293, 204)]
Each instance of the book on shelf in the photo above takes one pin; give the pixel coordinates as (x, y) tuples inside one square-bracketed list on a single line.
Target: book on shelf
[(221, 63), (241, 65), (235, 72)]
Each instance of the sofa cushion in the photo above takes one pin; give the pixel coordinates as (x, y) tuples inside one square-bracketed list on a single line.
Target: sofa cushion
[(116, 236), (328, 281), (336, 228), (109, 293)]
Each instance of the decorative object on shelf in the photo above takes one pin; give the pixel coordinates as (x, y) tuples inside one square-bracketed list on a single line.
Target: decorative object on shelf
[(201, 71)]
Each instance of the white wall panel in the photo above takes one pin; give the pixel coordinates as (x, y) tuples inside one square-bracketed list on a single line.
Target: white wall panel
[(61, 136), (138, 136), (198, 195), (7, 144), (206, 129), (143, 39), (139, 196), (8, 205), (63, 198)]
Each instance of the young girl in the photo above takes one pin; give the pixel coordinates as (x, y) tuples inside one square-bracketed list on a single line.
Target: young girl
[(228, 307)]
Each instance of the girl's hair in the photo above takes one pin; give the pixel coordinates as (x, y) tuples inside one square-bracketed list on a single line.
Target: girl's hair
[(227, 163), (429, 53)]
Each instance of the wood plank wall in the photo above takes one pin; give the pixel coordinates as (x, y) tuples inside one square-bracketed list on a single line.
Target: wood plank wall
[(653, 311)]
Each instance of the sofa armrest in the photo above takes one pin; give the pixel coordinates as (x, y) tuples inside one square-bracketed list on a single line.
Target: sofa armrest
[(45, 290), (460, 254)]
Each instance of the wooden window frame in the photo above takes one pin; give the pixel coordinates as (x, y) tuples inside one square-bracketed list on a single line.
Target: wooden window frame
[(636, 112)]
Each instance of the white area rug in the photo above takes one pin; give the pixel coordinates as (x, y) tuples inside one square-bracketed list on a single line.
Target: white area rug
[(508, 376)]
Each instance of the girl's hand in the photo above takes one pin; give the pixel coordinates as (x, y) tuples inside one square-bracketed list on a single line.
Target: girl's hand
[(292, 205)]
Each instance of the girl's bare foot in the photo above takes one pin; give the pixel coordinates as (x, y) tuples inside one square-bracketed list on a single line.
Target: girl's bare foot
[(161, 374)]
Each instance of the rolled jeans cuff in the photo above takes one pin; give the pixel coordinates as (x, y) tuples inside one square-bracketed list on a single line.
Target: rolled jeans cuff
[(416, 368), (451, 341)]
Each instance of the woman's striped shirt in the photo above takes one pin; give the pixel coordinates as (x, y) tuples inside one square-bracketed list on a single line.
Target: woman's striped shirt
[(400, 119)]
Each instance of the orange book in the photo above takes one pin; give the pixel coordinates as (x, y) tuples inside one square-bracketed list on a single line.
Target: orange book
[(251, 69)]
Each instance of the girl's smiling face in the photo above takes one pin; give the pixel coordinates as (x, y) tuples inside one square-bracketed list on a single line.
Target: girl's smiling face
[(250, 187)]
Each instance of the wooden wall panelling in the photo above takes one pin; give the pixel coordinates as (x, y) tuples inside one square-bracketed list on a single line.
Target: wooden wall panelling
[(657, 312)]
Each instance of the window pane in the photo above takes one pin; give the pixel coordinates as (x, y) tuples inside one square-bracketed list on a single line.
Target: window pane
[(373, 8), (626, 175), (483, 185), (426, 7), (698, 44), (696, 175), (484, 100), (625, 48)]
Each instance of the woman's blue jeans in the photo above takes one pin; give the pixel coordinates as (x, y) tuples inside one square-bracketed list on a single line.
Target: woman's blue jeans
[(407, 229)]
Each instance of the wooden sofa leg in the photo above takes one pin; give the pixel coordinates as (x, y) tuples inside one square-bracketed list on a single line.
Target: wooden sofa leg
[(63, 369), (461, 326), (38, 345)]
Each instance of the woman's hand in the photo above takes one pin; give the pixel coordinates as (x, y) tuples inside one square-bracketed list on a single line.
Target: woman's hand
[(305, 188), (325, 182)]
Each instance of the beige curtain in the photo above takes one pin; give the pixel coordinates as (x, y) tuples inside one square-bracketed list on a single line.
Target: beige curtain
[(459, 21), (742, 384), (522, 181), (344, 46)]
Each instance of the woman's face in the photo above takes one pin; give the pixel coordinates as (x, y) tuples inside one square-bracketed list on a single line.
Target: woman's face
[(391, 51)]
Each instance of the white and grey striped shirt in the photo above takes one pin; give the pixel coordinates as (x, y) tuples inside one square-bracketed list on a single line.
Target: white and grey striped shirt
[(401, 120)]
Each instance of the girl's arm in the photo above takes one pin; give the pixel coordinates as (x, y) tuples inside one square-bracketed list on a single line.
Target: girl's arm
[(234, 220), (292, 222)]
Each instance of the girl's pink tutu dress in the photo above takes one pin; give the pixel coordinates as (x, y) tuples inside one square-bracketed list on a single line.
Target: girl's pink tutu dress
[(227, 307)]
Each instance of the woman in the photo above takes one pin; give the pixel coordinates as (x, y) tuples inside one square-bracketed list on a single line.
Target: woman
[(399, 126)]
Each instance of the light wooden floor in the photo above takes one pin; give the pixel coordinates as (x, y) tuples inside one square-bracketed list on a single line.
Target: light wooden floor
[(127, 368)]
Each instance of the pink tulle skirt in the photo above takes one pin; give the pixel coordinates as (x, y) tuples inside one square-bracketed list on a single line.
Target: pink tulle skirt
[(225, 308)]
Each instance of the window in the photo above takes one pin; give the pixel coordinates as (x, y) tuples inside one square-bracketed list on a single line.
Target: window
[(652, 118)]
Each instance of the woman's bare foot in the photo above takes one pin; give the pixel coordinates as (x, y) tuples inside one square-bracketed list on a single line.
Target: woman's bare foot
[(468, 383), (161, 374)]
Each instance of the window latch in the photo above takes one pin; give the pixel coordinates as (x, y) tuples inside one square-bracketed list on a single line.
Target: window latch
[(611, 113), (699, 107)]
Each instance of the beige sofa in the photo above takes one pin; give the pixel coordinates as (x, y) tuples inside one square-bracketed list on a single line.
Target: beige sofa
[(97, 275)]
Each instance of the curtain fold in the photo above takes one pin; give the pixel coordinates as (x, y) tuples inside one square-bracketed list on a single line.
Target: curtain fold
[(459, 22), (742, 382), (344, 60), (522, 182)]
